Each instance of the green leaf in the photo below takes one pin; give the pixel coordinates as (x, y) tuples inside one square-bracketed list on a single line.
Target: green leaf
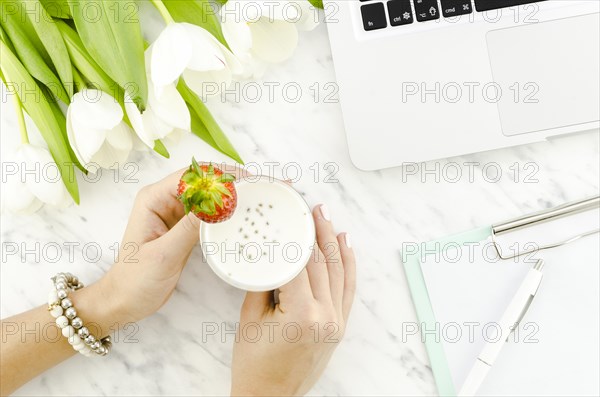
[(199, 129), (160, 148), (217, 198), (57, 8), (316, 3), (13, 7), (84, 62), (196, 166), (113, 37), (227, 178), (50, 36), (6, 40), (62, 122), (197, 12), (43, 116), (204, 125), (30, 57), (223, 190)]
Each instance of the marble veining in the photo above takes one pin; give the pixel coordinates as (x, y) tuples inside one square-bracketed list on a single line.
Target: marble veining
[(168, 353)]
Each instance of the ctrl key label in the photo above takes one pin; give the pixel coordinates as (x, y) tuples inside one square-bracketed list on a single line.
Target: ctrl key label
[(373, 16), (400, 12)]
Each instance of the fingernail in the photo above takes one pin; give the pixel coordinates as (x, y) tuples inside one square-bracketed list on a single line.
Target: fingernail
[(325, 212), (347, 240)]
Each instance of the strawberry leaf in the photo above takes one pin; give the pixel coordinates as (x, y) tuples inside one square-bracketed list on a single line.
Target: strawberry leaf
[(196, 166), (225, 178), (216, 196), (223, 190)]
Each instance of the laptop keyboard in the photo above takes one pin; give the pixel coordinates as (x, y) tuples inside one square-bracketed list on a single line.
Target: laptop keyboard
[(405, 12)]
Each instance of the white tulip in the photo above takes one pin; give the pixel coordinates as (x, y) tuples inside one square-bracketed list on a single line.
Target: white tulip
[(36, 181), (187, 50), (96, 130), (164, 116), (263, 32)]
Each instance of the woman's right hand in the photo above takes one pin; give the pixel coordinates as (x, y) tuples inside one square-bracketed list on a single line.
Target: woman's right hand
[(298, 334)]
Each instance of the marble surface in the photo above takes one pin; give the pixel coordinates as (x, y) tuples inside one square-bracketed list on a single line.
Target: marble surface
[(166, 353)]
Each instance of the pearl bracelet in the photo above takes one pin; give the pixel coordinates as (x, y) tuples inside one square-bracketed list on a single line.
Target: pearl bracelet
[(71, 326)]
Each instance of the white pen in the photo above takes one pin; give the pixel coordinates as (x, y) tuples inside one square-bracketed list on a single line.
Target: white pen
[(509, 321)]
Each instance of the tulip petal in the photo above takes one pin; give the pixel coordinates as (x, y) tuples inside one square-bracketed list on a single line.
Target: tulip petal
[(238, 35), (47, 184), (85, 139), (148, 126), (18, 199), (120, 137), (209, 83), (136, 118), (96, 109), (171, 54), (281, 10), (309, 16), (273, 41), (156, 127), (110, 156), (71, 137), (206, 53), (170, 107)]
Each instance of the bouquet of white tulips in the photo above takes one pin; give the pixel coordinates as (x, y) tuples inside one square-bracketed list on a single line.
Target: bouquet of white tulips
[(95, 89)]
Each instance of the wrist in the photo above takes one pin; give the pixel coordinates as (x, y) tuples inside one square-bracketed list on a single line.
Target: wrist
[(97, 307)]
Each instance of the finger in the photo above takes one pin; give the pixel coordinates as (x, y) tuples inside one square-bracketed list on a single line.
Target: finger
[(349, 260), (296, 292), (329, 246), (318, 276), (256, 304), (182, 238)]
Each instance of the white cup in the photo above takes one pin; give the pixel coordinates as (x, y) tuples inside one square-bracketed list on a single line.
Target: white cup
[(268, 240)]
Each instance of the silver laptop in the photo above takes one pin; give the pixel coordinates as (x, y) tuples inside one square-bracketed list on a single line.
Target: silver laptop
[(422, 80)]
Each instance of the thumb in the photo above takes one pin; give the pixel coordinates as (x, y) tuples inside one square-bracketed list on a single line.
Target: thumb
[(182, 237)]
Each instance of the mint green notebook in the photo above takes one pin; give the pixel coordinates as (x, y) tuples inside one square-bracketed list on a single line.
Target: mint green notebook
[(425, 313)]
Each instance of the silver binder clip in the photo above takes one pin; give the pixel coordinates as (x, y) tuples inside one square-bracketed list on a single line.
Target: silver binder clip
[(541, 217)]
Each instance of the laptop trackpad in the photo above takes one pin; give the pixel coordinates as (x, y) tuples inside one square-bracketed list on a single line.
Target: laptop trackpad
[(547, 73)]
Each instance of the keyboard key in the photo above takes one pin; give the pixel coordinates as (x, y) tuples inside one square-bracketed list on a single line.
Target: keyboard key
[(373, 16), (452, 8), (426, 10), (400, 12), (487, 5)]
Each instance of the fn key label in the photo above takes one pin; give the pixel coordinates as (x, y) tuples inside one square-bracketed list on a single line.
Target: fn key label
[(373, 16)]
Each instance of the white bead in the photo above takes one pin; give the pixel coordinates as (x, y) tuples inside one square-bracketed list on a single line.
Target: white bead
[(52, 297), (79, 347), (68, 331), (62, 321), (56, 311), (75, 339)]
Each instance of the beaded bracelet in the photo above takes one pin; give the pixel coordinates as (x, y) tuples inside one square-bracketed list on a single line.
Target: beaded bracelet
[(61, 308)]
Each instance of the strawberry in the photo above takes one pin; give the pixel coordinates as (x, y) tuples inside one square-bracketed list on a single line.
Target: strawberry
[(207, 192)]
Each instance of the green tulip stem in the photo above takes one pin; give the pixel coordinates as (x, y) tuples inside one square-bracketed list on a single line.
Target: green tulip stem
[(21, 119), (164, 13)]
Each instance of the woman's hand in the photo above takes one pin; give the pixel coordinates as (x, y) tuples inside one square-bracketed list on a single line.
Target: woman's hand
[(156, 246), (157, 243), (300, 332)]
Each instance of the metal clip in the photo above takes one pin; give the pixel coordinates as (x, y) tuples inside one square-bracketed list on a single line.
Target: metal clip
[(541, 217)]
